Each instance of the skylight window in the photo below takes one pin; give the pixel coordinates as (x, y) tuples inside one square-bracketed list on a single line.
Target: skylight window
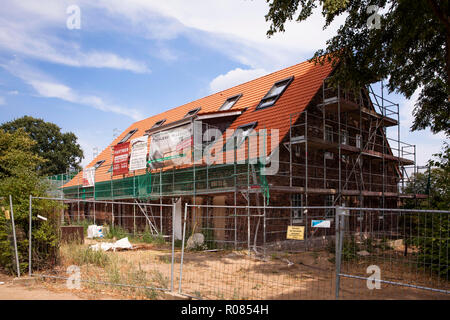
[(229, 103), (128, 136), (274, 93), (241, 133), (98, 164), (158, 123), (193, 112)]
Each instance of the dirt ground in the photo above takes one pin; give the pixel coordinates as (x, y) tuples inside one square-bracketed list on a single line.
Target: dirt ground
[(236, 275), (11, 289)]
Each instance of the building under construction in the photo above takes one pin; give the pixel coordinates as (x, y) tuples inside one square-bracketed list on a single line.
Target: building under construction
[(329, 147)]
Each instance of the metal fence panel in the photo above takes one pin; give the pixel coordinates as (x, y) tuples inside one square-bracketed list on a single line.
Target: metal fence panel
[(246, 254), (243, 252), (149, 266), (393, 254)]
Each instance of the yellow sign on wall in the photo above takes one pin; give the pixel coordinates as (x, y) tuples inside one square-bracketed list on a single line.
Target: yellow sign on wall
[(295, 232)]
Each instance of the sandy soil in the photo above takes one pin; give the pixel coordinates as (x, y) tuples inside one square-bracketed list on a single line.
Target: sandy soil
[(13, 289), (10, 292), (230, 275), (236, 275)]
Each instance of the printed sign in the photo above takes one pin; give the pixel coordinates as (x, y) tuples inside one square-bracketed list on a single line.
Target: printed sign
[(138, 157), (120, 162), (320, 223), (89, 177), (295, 232), (167, 147)]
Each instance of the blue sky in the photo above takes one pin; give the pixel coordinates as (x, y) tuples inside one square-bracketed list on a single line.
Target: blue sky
[(133, 59)]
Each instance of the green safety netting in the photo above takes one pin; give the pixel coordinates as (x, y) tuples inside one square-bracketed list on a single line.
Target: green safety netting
[(264, 183), (152, 185), (62, 177)]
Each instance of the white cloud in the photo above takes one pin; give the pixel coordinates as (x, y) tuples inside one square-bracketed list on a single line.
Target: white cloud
[(61, 91), (46, 87), (2, 101), (13, 92), (52, 90), (236, 28), (32, 38), (234, 77), (165, 54)]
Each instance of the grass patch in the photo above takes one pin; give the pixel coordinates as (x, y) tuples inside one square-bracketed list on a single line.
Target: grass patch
[(165, 259), (85, 223), (160, 280), (116, 232), (79, 255), (148, 237)]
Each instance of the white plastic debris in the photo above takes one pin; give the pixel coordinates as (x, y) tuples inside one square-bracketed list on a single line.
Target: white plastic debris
[(106, 246), (95, 231), (123, 244), (288, 262)]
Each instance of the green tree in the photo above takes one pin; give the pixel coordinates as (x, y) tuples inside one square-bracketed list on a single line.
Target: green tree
[(19, 178), (434, 182), (429, 231), (411, 48), (61, 150)]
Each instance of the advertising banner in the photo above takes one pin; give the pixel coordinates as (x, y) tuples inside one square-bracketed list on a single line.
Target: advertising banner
[(89, 177), (170, 147), (120, 160), (138, 157)]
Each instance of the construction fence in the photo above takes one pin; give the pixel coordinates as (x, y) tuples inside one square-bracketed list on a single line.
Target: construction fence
[(249, 252)]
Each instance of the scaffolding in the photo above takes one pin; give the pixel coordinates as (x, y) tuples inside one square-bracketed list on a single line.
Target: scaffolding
[(338, 151), (345, 134)]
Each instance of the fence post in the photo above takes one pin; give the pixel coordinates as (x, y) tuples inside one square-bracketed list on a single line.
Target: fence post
[(306, 229), (173, 246), (14, 236), (30, 230), (340, 228), (182, 246)]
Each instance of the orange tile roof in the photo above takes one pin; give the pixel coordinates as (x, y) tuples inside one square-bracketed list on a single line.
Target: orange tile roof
[(308, 79)]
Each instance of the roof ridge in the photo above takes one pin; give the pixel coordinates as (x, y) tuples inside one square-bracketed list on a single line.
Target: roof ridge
[(218, 92), (293, 101)]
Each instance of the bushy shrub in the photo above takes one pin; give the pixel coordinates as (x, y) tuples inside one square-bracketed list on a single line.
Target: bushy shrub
[(148, 237), (19, 177)]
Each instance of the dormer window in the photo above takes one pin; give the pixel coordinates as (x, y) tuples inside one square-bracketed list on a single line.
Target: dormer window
[(98, 164), (128, 136), (274, 93), (193, 112), (240, 135), (230, 102), (158, 123)]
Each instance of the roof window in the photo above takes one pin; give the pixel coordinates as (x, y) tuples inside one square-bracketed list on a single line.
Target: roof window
[(193, 112), (274, 93), (128, 136), (229, 103), (158, 123)]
